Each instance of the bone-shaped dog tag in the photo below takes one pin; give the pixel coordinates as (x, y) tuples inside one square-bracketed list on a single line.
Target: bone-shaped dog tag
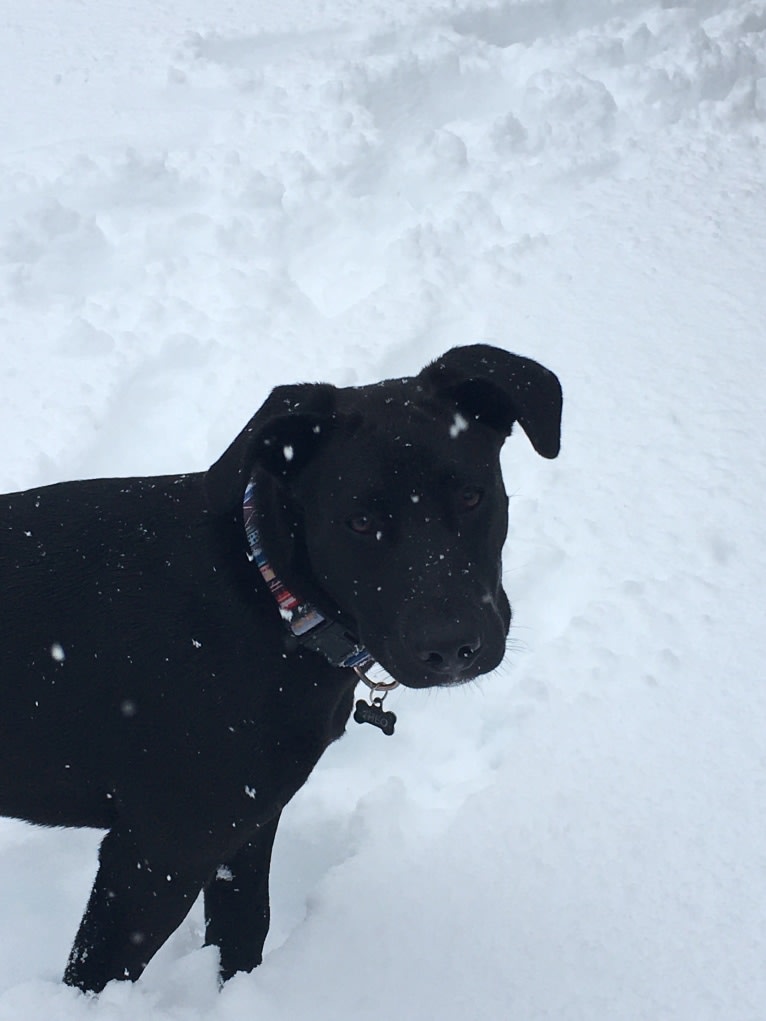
[(374, 713)]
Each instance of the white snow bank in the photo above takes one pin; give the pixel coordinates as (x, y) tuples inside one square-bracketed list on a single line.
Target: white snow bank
[(198, 204)]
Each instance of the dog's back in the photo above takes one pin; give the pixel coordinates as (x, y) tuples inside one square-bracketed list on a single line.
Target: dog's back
[(100, 580)]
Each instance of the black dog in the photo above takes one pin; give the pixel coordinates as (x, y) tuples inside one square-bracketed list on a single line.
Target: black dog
[(176, 651)]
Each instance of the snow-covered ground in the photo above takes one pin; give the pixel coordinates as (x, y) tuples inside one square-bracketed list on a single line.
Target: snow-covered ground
[(200, 201)]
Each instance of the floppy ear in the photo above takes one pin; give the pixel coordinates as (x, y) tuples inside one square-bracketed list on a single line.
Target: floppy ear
[(280, 437), (497, 388)]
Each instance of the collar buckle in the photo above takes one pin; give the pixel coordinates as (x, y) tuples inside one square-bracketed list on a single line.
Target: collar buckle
[(336, 644)]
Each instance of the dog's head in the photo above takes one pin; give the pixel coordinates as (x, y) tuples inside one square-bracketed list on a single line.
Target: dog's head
[(385, 505)]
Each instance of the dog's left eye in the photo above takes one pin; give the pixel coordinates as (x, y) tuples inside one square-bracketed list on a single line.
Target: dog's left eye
[(470, 497), (361, 523)]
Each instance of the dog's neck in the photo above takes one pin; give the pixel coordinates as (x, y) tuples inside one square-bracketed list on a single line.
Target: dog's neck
[(309, 627)]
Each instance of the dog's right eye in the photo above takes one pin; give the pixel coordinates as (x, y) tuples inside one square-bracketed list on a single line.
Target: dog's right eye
[(471, 497), (362, 524)]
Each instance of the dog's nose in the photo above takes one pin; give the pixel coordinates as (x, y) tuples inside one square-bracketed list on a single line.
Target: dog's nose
[(451, 655)]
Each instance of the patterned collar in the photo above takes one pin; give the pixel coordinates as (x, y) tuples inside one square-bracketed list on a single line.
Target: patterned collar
[(305, 623)]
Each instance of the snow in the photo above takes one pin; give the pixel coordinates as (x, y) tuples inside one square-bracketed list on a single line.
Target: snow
[(198, 203), (459, 425)]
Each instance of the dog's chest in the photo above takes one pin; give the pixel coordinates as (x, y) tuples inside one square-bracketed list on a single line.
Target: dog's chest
[(270, 754)]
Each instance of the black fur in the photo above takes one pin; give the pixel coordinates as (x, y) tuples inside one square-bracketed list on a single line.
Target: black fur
[(148, 686)]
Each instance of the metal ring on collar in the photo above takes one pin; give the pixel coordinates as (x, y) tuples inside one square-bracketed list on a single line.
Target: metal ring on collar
[(375, 685)]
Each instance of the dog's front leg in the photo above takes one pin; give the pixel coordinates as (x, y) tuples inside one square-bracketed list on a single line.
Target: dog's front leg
[(237, 904), (136, 903)]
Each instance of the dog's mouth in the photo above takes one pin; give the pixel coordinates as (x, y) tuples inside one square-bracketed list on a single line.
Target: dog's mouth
[(413, 670), (386, 676), (427, 650), (437, 680)]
